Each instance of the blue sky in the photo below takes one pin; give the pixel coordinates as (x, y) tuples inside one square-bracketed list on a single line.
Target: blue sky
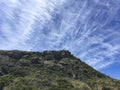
[(90, 29)]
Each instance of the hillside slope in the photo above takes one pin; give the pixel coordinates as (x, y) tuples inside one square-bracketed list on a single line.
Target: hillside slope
[(50, 70)]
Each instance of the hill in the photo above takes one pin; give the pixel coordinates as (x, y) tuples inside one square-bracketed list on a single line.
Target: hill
[(50, 70)]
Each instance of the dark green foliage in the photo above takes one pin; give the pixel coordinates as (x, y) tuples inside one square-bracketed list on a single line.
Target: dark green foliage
[(63, 84), (106, 88), (50, 70), (5, 80), (4, 69)]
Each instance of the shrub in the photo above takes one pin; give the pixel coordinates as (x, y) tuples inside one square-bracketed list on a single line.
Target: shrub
[(62, 84), (5, 80)]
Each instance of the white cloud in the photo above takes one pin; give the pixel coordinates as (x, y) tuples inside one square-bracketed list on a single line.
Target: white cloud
[(79, 26), (28, 12)]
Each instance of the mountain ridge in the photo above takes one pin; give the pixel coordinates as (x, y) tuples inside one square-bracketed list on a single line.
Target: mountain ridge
[(50, 70)]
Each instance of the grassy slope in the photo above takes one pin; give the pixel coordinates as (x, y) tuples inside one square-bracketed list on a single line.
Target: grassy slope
[(50, 70)]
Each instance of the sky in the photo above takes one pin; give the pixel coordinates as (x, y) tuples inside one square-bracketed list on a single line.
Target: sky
[(89, 29)]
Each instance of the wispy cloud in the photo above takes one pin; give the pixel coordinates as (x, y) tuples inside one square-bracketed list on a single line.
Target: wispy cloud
[(89, 29), (18, 18)]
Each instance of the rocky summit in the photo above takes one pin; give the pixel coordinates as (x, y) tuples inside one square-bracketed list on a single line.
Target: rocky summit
[(50, 70)]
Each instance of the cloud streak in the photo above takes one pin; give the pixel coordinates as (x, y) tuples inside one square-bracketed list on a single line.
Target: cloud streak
[(89, 29)]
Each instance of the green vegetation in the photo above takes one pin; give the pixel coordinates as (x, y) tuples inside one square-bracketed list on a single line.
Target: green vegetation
[(50, 70)]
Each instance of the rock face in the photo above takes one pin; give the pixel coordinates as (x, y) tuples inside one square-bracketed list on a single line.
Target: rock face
[(50, 70)]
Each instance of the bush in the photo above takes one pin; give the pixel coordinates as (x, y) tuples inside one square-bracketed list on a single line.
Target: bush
[(62, 84), (5, 80)]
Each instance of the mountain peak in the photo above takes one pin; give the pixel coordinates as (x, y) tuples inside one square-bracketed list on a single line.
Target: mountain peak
[(50, 70), (60, 52)]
